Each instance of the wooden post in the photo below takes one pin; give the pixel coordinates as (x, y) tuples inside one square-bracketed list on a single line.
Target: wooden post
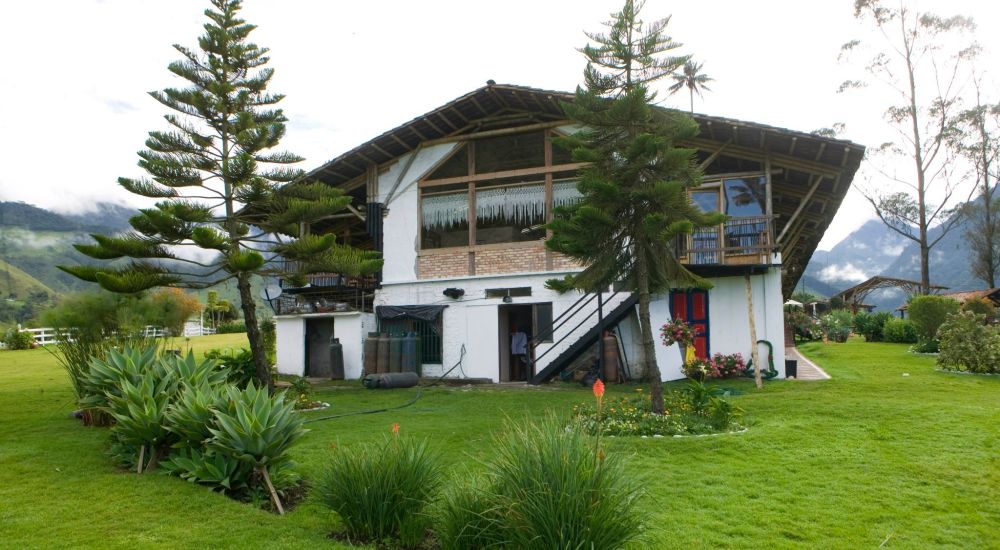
[(755, 357)]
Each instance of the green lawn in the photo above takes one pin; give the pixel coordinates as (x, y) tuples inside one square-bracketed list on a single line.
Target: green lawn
[(845, 463)]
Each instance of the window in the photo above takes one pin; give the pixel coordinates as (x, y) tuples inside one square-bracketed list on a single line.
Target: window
[(488, 200)]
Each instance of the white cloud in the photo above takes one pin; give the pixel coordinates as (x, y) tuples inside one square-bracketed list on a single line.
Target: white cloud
[(839, 273)]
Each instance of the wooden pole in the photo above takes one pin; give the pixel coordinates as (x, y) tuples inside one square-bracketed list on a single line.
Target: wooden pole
[(270, 488), (755, 357)]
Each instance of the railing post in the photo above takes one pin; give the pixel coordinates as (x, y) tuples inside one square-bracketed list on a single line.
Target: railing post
[(600, 332)]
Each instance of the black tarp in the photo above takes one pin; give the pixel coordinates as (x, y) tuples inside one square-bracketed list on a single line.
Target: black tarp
[(420, 313)]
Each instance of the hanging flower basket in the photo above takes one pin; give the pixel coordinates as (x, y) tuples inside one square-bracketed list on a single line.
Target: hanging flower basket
[(677, 331)]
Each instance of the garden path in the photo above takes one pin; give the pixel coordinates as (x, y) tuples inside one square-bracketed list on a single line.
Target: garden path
[(807, 370)]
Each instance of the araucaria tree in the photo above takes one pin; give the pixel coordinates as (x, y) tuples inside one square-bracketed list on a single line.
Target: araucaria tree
[(220, 186), (634, 190), (922, 62)]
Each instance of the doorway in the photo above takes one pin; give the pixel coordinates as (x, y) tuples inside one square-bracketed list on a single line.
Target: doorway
[(692, 306), (319, 331), (516, 326)]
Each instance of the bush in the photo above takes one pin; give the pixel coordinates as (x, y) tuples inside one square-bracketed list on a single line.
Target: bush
[(981, 306), (837, 324), (269, 337), (382, 491), (871, 325), (231, 328), (899, 331), (17, 340), (968, 344), (928, 313), (239, 363), (803, 325), (548, 487)]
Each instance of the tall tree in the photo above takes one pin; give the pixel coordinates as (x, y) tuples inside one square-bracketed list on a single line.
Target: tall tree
[(921, 64), (692, 78), (220, 186), (635, 200), (977, 139)]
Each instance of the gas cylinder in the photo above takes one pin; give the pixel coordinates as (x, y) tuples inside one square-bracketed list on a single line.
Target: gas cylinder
[(410, 352), (610, 358), (336, 359), (395, 353), (382, 365), (371, 354)]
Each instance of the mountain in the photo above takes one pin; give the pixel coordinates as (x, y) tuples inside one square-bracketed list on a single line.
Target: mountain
[(874, 249), (18, 285), (105, 218)]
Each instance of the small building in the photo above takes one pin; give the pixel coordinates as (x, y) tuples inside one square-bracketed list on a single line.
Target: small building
[(457, 199)]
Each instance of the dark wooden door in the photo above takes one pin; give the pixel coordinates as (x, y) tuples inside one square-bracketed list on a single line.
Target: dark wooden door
[(692, 306)]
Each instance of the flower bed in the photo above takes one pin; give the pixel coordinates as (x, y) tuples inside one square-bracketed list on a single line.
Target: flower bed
[(698, 409)]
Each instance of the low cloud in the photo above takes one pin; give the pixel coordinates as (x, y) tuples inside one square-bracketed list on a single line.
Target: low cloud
[(847, 272)]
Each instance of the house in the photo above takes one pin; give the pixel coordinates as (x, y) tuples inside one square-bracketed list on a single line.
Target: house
[(457, 199)]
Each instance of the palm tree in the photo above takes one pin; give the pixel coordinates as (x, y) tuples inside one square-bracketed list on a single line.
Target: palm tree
[(690, 78)]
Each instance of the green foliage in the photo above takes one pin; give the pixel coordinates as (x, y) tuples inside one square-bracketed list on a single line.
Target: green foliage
[(17, 340), (238, 362), (871, 325), (982, 307), (382, 490), (928, 313), (215, 470), (230, 328), (548, 487), (836, 325), (192, 412), (968, 344), (698, 409), (269, 335), (899, 331), (804, 326), (256, 428)]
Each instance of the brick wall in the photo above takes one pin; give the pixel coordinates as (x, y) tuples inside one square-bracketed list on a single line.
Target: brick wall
[(443, 265), (492, 261)]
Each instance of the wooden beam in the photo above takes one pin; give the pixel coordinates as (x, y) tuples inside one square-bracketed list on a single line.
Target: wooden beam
[(809, 167), (356, 212), (715, 154), (498, 132), (798, 211), (506, 174)]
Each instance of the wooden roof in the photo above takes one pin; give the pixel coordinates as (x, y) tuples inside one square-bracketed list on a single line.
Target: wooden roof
[(813, 173)]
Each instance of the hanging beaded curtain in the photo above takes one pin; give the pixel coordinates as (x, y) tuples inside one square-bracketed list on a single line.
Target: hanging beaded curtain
[(565, 192), (521, 204), (445, 211)]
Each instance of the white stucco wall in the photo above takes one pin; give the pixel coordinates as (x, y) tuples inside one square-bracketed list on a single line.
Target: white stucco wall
[(473, 320), (401, 224), (349, 327), (729, 329)]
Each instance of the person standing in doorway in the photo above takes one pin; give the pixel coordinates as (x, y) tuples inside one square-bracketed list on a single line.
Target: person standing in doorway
[(518, 352)]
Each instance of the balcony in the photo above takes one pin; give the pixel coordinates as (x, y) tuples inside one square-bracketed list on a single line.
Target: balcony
[(740, 241), (326, 293)]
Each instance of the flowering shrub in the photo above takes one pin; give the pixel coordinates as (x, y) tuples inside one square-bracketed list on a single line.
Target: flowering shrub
[(697, 369), (685, 413), (726, 366), (677, 331)]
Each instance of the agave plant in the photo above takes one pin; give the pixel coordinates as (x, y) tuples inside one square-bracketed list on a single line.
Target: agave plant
[(257, 429), (192, 412), (139, 415), (217, 470), (105, 376)]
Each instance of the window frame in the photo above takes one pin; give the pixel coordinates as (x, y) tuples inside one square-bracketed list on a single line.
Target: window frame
[(546, 171)]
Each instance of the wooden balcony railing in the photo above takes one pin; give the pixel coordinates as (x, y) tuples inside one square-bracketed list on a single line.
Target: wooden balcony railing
[(739, 241)]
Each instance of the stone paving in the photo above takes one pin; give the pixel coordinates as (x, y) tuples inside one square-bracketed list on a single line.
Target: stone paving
[(807, 370)]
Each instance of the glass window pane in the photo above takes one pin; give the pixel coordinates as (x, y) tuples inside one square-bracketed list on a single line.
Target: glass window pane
[(745, 196), (456, 166), (445, 220), (707, 201), (510, 214), (510, 152)]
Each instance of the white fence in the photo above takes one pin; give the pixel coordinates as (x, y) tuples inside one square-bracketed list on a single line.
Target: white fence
[(48, 335), (42, 336)]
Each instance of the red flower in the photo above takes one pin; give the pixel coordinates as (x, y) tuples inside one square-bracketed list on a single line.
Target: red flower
[(599, 389), (395, 428)]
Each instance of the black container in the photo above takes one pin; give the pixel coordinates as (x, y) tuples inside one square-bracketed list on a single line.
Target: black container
[(791, 368), (391, 380), (336, 359)]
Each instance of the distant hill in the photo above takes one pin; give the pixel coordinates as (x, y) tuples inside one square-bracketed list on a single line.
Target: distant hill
[(874, 249), (105, 218), (17, 285)]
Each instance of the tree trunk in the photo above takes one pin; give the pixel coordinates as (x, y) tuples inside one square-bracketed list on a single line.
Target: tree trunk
[(651, 371), (754, 354), (253, 332)]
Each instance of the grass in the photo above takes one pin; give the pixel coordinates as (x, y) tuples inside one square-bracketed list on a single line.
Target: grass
[(867, 457)]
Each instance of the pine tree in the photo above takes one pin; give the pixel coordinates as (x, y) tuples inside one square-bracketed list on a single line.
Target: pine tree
[(635, 200), (220, 186)]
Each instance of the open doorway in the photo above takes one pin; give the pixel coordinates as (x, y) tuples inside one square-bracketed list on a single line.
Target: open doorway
[(516, 330)]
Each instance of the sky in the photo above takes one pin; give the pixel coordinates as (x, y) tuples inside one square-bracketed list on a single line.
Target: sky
[(74, 103)]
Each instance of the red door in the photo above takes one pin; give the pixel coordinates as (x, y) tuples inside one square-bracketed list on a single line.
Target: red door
[(692, 306)]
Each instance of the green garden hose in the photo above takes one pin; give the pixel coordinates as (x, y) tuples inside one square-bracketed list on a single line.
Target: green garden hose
[(770, 372)]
